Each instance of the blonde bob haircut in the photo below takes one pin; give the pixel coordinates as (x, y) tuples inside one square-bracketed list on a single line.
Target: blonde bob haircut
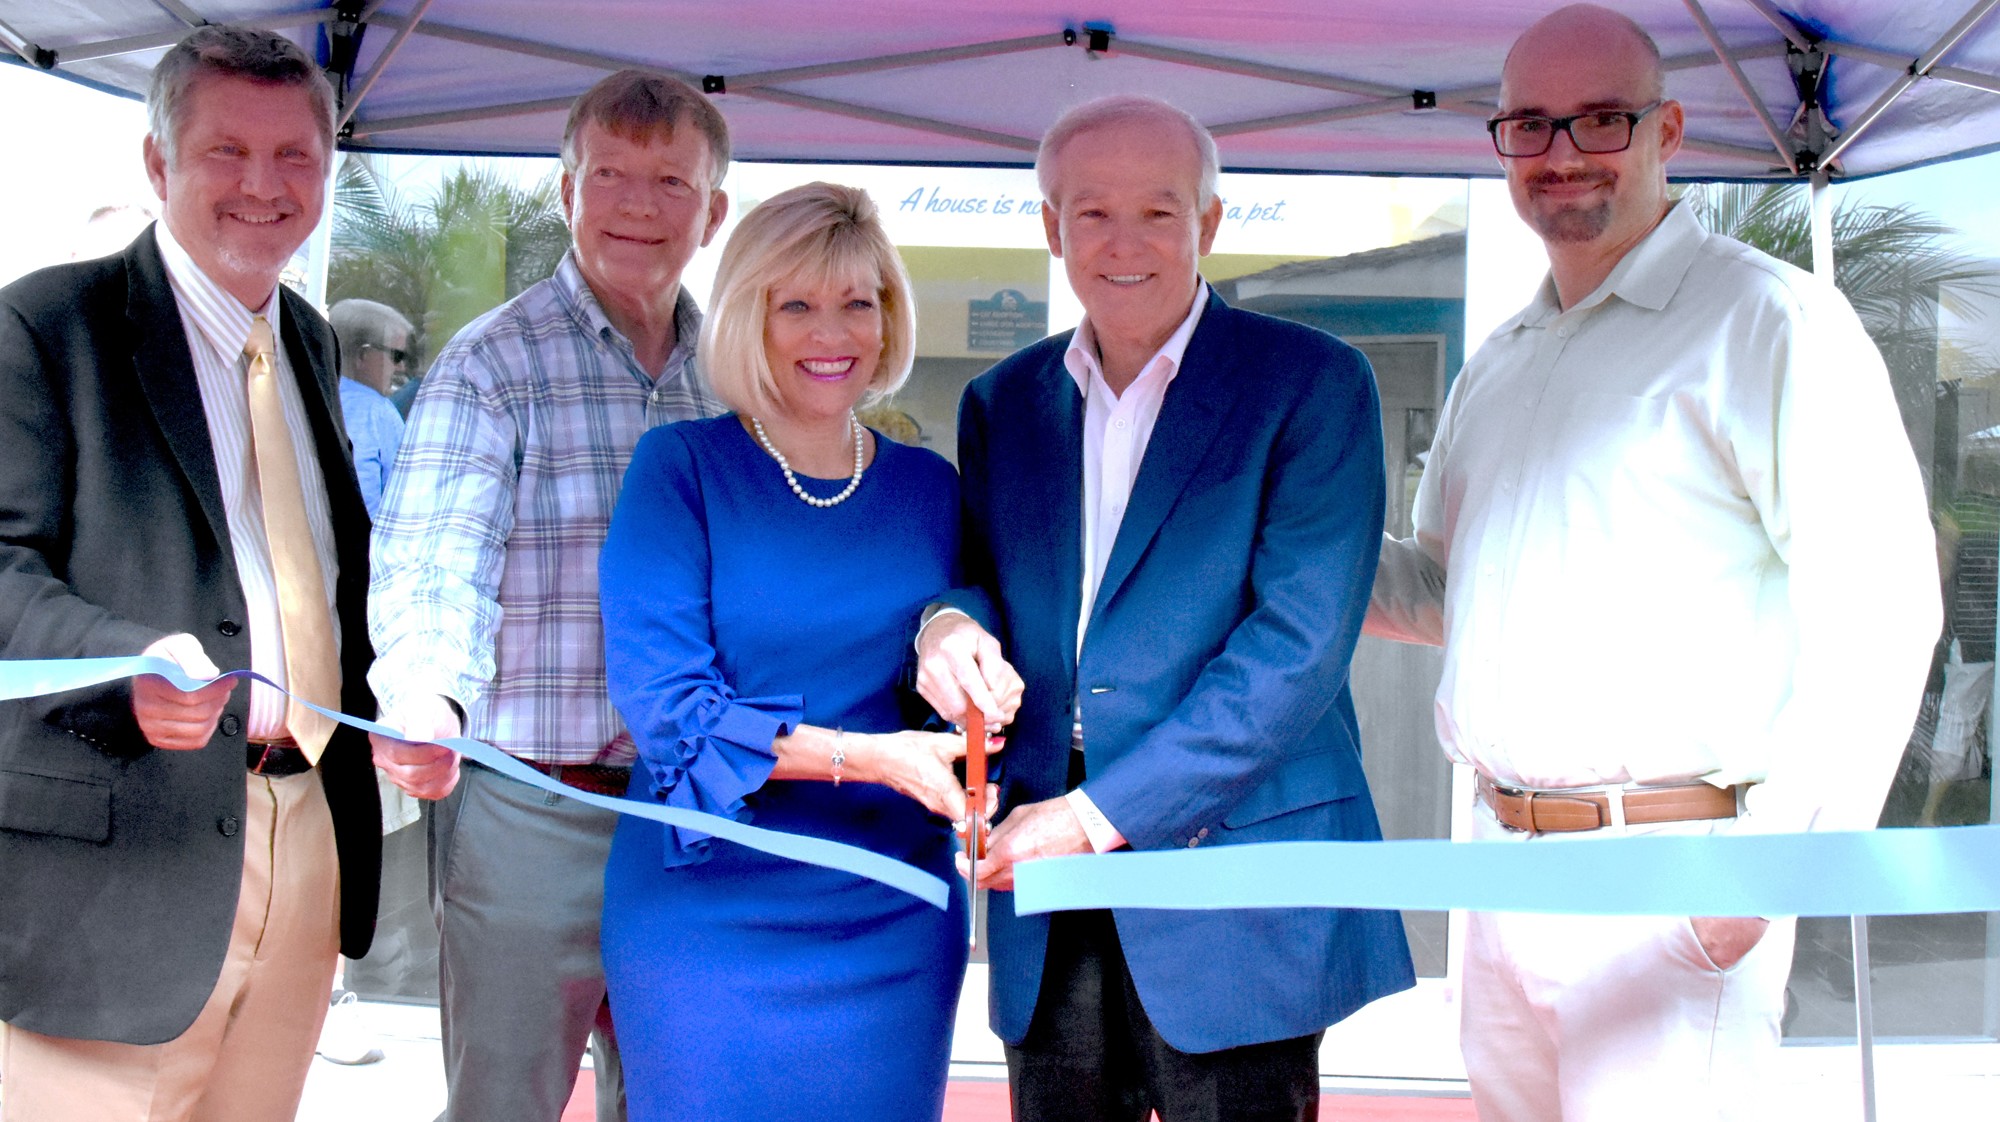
[(821, 235)]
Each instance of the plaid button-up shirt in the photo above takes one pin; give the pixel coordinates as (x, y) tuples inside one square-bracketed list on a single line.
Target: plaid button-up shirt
[(484, 585)]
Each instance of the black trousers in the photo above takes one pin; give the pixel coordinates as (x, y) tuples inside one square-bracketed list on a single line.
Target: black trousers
[(1092, 1055)]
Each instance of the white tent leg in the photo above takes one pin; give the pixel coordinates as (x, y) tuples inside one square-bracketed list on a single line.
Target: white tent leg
[(1864, 998), (1822, 224), (1864, 1017)]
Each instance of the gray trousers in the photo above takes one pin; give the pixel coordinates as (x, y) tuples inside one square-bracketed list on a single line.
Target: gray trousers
[(517, 885)]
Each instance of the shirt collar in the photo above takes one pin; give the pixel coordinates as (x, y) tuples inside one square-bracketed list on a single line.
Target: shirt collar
[(587, 311), (1646, 277), (1081, 358), (220, 318), (359, 386)]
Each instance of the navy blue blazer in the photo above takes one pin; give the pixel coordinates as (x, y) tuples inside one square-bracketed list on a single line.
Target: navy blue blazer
[(1213, 676)]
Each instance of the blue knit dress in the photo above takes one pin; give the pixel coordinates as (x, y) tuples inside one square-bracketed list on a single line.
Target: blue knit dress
[(745, 986)]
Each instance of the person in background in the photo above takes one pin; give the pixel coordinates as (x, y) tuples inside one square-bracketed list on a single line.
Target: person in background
[(374, 346), (1969, 558), (109, 229), (1674, 543), (179, 870)]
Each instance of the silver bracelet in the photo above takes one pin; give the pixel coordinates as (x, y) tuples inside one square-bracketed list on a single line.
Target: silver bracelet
[(839, 757)]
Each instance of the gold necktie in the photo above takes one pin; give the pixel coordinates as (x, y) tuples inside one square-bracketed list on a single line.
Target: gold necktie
[(312, 669)]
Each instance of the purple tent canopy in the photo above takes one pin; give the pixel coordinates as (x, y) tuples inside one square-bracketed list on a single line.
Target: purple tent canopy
[(1374, 86)]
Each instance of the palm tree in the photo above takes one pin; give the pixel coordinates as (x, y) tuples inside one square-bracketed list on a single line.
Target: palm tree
[(478, 239), (1896, 265)]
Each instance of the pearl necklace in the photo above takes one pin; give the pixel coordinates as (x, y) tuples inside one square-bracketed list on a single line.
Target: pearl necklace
[(792, 481)]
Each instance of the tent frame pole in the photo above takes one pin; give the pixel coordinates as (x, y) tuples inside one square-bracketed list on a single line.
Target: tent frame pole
[(1864, 994), (182, 12), (402, 36), (33, 53), (1743, 85), (133, 44), (1864, 1016), (1918, 68)]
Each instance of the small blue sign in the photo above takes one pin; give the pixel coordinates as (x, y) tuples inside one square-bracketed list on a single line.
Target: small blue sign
[(1005, 323)]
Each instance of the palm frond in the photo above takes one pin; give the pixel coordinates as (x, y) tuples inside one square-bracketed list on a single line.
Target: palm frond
[(474, 240), (1896, 265)]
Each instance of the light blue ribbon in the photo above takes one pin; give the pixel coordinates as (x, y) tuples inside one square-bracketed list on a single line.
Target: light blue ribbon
[(1876, 872), (21, 678)]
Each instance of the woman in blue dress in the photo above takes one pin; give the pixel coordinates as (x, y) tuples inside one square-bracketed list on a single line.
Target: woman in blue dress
[(761, 583)]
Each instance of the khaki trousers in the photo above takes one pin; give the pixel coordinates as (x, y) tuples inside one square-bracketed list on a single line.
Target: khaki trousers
[(245, 1057)]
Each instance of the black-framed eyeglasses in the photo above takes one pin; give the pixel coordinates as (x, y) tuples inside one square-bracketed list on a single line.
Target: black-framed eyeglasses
[(1599, 132), (396, 355)]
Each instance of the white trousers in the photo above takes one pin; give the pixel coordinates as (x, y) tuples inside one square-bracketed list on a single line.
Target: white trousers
[(1592, 1018)]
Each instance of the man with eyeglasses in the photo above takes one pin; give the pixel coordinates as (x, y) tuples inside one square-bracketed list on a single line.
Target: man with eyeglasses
[(374, 346), (1674, 543)]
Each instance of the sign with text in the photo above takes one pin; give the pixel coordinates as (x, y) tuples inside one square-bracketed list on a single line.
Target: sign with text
[(1004, 323)]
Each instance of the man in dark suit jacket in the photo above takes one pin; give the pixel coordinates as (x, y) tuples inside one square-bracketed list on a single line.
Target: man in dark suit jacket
[(1171, 521), (176, 873)]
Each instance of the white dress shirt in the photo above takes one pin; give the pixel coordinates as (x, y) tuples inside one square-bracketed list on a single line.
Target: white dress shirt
[(217, 325), (1676, 531), (1116, 429)]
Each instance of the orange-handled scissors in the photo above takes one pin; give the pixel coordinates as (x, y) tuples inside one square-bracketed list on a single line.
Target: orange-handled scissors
[(975, 805)]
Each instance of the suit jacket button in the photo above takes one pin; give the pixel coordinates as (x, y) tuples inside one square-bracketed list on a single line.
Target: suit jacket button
[(230, 628), (230, 725), (228, 825), (1201, 833), (1192, 842)]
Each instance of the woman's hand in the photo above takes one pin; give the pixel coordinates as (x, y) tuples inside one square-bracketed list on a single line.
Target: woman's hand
[(917, 764)]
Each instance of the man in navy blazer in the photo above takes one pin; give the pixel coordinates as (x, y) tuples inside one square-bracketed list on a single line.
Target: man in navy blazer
[(1171, 524)]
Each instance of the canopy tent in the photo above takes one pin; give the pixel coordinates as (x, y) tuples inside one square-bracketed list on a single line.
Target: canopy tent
[(1773, 90)]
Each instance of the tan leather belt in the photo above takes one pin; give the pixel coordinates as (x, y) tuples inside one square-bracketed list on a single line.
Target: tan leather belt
[(1551, 812)]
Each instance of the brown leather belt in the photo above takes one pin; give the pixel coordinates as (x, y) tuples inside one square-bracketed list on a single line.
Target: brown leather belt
[(598, 779), (1552, 812), (276, 759)]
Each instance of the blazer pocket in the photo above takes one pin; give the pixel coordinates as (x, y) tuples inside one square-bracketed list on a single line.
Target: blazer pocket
[(1298, 783), (65, 806)]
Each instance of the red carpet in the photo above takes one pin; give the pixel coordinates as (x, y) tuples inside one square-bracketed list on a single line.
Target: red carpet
[(983, 1101)]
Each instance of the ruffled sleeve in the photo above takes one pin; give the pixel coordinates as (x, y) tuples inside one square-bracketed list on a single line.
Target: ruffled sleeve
[(701, 746), (722, 754)]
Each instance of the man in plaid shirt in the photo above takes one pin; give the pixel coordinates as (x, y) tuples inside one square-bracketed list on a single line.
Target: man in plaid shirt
[(483, 604)]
